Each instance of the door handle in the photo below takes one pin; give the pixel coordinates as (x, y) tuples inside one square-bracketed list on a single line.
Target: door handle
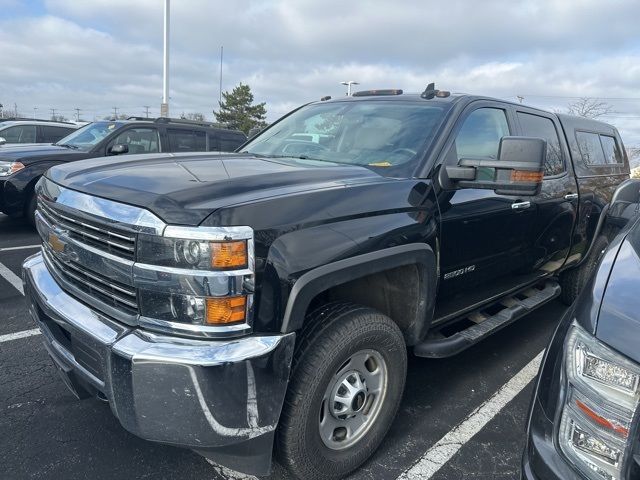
[(520, 205), (571, 196)]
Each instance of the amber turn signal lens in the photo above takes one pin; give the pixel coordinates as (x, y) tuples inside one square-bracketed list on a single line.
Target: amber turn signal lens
[(229, 254), (226, 310), (526, 176)]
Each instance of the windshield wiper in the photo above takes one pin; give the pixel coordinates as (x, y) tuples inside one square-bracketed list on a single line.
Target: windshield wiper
[(66, 145), (298, 157)]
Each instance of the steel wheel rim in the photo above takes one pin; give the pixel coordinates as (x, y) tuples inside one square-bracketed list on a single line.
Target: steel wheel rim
[(353, 400)]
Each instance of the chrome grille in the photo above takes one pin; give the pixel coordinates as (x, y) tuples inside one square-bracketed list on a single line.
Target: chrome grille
[(123, 297), (104, 237)]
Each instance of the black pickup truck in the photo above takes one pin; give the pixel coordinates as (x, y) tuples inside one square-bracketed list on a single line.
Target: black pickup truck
[(22, 166), (265, 301)]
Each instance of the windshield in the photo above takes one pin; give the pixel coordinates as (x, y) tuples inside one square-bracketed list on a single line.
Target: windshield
[(383, 135), (87, 137)]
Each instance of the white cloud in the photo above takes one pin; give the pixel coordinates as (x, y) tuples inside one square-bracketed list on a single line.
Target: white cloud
[(105, 53)]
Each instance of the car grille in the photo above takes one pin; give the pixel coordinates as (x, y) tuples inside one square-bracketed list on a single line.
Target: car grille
[(115, 294), (80, 280), (106, 238)]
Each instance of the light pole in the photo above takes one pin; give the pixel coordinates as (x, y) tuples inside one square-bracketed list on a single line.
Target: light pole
[(35, 109), (164, 108), (348, 83)]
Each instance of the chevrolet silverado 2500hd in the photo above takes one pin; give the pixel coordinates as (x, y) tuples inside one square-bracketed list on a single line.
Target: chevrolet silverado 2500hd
[(263, 301)]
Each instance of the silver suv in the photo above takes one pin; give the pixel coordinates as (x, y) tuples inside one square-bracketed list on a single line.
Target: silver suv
[(34, 131)]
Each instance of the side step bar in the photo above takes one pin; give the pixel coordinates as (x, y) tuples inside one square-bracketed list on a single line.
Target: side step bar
[(483, 324)]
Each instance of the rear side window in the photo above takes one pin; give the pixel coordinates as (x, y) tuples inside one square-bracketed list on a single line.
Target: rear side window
[(541, 127), (19, 134), (612, 154), (53, 134), (590, 148), (182, 140)]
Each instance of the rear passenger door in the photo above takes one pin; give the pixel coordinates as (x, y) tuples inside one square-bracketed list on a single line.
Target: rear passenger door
[(186, 140), (557, 202)]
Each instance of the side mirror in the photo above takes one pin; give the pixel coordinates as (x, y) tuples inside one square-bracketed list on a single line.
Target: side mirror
[(253, 132), (518, 170), (119, 149), (3, 140)]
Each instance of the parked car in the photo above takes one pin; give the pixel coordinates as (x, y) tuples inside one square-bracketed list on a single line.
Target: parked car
[(20, 167), (584, 417), (33, 131), (222, 303)]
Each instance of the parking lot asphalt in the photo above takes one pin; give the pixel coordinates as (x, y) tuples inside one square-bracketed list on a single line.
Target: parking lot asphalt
[(48, 433)]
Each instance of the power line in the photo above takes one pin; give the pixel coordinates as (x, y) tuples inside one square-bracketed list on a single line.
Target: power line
[(146, 107), (583, 96)]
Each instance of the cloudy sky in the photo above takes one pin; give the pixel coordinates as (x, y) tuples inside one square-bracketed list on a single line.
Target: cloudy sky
[(97, 54)]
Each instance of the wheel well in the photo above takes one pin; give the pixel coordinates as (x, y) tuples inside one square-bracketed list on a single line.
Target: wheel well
[(396, 292)]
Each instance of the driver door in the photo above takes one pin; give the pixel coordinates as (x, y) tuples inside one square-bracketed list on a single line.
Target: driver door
[(486, 237)]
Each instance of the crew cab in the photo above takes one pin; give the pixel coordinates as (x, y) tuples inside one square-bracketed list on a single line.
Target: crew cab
[(22, 166), (265, 300)]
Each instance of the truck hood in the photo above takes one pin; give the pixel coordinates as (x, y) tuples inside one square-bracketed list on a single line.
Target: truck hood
[(35, 152), (185, 189)]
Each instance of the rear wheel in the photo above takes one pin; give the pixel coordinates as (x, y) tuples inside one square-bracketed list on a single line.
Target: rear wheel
[(347, 381), (572, 281)]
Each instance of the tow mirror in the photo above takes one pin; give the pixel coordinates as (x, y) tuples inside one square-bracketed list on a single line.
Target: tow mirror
[(518, 170), (119, 149), (3, 140)]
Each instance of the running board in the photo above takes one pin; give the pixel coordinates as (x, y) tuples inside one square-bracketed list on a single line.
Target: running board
[(482, 323)]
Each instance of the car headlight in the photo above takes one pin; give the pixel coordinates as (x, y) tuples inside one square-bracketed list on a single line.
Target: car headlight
[(599, 406), (196, 279), (9, 168)]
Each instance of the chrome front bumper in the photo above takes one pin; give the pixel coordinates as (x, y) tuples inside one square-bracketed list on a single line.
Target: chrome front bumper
[(211, 396)]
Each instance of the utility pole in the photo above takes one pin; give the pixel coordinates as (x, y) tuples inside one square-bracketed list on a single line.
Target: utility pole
[(164, 107), (53, 113), (77, 114), (115, 113), (520, 98), (35, 109), (146, 107)]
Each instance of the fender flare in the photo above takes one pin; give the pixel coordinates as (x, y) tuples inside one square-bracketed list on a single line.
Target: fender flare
[(315, 281)]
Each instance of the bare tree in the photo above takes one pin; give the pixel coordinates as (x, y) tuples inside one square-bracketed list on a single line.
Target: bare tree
[(634, 156), (588, 107), (199, 117)]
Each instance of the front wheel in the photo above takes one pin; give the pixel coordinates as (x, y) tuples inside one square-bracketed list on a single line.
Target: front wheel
[(347, 380)]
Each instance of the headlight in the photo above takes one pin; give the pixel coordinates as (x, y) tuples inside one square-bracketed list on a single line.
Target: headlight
[(9, 168), (197, 279), (599, 406)]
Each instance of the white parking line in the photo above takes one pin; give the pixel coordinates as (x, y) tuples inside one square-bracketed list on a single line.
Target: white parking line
[(438, 455), (22, 247), (12, 278), (15, 336)]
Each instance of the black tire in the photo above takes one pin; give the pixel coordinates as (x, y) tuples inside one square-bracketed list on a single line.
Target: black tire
[(30, 209), (572, 281), (331, 336)]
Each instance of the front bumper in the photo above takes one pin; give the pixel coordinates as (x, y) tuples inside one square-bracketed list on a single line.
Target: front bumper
[(220, 398), (542, 459)]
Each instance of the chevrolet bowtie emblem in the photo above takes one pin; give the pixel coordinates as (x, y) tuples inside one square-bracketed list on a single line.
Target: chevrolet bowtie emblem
[(56, 244)]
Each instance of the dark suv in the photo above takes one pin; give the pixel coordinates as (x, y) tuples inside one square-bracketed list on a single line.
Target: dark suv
[(21, 167), (230, 303)]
